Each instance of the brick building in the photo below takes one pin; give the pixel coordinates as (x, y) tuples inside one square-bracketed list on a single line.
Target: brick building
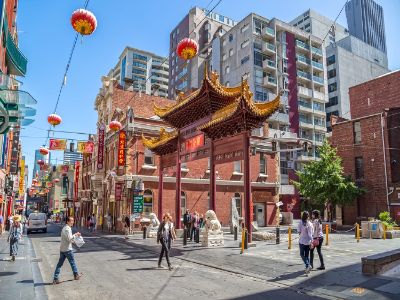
[(135, 112), (369, 147)]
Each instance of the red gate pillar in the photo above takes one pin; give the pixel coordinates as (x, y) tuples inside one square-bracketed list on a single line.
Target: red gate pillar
[(247, 183), (213, 185), (160, 188), (178, 185)]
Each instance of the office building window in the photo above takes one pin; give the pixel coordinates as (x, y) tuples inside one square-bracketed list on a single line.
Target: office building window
[(139, 57), (284, 167), (263, 164), (331, 73), (224, 57), (330, 60), (245, 60), (332, 101), (258, 58), (359, 163), (237, 166), (261, 94), (221, 18), (244, 28), (230, 37), (357, 132), (227, 69), (332, 113), (230, 52), (244, 44), (332, 87), (183, 203), (227, 83), (148, 157), (238, 202), (224, 42)]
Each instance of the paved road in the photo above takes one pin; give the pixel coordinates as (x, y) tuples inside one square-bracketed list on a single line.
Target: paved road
[(115, 268)]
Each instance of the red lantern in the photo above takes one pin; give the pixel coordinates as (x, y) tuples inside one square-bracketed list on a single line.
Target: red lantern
[(44, 150), (56, 180), (64, 174), (83, 21), (54, 119), (115, 125), (40, 162), (34, 180), (187, 48)]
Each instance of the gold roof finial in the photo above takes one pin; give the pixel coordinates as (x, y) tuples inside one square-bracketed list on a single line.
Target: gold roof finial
[(205, 70)]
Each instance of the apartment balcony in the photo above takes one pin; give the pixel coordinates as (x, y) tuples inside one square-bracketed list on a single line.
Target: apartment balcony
[(268, 32), (319, 96), (305, 107), (278, 133), (15, 60), (270, 81), (302, 46), (317, 65), (318, 80), (7, 82), (304, 75), (316, 51), (269, 64), (306, 123), (302, 60), (305, 92), (320, 126), (268, 48), (305, 158), (279, 117)]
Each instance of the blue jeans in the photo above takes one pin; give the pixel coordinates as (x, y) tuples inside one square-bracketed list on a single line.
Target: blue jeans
[(305, 253), (13, 246), (66, 255)]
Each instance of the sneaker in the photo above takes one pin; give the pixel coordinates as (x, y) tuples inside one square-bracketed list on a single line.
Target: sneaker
[(56, 281), (13, 258), (160, 266), (77, 276), (170, 267), (308, 269), (321, 268)]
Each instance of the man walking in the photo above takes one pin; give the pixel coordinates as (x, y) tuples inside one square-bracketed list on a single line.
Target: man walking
[(187, 221), (1, 222), (66, 251)]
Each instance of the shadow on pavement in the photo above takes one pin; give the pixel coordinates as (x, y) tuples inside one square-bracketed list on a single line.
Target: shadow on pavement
[(7, 273)]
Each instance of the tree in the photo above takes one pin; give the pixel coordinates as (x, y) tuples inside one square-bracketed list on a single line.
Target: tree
[(323, 181)]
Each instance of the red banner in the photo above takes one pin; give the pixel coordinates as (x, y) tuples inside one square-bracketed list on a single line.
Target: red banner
[(100, 149), (85, 147), (194, 142), (76, 181), (57, 144), (121, 148), (118, 191)]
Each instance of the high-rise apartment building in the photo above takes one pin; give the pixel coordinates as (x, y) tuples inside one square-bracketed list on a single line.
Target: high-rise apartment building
[(202, 26), (36, 166), (365, 21), (70, 157), (142, 71), (276, 56), (350, 61)]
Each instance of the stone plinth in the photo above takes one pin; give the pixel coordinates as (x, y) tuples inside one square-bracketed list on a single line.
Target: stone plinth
[(212, 240)]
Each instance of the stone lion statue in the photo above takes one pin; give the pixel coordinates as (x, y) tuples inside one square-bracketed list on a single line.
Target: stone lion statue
[(213, 226), (154, 224)]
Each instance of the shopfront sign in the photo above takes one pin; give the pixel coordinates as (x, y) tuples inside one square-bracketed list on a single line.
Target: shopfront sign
[(118, 191), (137, 204), (194, 143), (14, 153), (121, 148), (85, 147), (57, 144), (100, 148)]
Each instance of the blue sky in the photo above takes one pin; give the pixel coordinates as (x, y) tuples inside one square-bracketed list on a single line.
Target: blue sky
[(46, 36)]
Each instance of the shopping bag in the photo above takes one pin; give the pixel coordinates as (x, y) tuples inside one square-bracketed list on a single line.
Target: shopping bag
[(78, 241)]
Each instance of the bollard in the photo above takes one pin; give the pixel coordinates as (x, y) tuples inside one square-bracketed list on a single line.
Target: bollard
[(358, 233), (185, 231), (290, 238), (246, 239), (144, 232), (384, 231), (197, 235), (235, 233), (278, 235), (243, 237), (327, 234)]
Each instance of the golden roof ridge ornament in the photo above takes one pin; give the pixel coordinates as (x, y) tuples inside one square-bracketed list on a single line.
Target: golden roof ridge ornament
[(163, 138)]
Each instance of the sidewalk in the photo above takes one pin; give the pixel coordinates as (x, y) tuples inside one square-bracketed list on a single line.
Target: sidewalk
[(19, 279), (276, 264)]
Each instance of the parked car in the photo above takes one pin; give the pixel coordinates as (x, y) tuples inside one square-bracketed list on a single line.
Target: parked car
[(36, 222)]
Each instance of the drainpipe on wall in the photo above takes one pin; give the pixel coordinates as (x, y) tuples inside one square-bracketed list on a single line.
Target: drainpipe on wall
[(384, 162)]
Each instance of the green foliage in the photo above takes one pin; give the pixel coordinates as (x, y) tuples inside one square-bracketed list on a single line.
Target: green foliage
[(323, 181), (387, 220)]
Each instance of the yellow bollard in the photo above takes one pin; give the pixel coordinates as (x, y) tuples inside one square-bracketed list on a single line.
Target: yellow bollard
[(290, 237), (358, 232), (384, 231), (243, 238), (327, 234)]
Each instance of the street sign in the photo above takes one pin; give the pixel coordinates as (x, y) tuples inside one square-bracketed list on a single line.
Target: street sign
[(137, 204)]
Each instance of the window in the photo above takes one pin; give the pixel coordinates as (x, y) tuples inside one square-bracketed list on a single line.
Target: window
[(284, 167), (357, 132), (261, 94), (332, 101), (230, 37), (330, 60), (332, 73), (258, 58), (224, 42), (230, 52), (245, 60), (227, 83), (257, 26), (332, 113), (238, 201), (237, 166), (207, 26), (263, 164), (227, 69), (183, 203), (139, 57), (139, 64), (244, 28), (147, 202), (332, 87), (221, 18), (224, 56), (359, 163), (148, 157), (139, 71), (208, 164), (307, 25), (245, 43)]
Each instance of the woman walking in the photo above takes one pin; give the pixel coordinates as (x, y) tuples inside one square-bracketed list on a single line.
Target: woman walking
[(14, 236), (306, 231), (165, 236), (318, 240)]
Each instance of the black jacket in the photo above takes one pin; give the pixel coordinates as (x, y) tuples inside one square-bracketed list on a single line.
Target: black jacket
[(161, 230)]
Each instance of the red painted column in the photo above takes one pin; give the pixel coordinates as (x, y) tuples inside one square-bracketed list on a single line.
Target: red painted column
[(178, 185), (247, 183), (160, 188), (213, 184)]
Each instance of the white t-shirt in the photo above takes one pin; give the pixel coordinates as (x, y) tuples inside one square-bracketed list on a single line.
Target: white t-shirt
[(306, 233), (317, 229), (168, 227)]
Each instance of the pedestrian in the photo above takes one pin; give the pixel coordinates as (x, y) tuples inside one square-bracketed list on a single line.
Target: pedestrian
[(1, 223), (201, 221), (88, 224), (318, 239), (127, 223), (165, 236), (94, 222), (66, 251), (109, 222), (187, 220), (14, 235), (195, 225), (305, 230)]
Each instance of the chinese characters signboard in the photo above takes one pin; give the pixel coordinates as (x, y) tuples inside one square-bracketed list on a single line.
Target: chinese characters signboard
[(57, 144), (85, 147), (137, 204), (14, 153), (118, 191), (121, 148), (194, 142), (100, 149)]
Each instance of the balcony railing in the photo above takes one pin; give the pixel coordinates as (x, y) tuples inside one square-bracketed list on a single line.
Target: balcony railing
[(316, 50), (16, 61), (305, 120), (318, 79), (271, 79), (318, 107), (270, 31), (317, 65), (304, 103), (303, 45), (304, 74), (303, 59), (270, 47), (270, 63)]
